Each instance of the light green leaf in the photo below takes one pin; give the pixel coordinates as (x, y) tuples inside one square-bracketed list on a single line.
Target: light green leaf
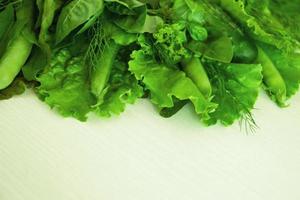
[(257, 19), (164, 83), (64, 86), (122, 88)]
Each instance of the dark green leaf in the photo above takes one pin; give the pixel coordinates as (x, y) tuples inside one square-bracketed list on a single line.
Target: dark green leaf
[(16, 88)]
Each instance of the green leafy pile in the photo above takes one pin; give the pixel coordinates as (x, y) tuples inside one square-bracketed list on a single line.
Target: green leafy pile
[(84, 56)]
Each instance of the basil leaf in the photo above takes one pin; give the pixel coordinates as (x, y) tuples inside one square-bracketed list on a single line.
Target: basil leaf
[(76, 13)]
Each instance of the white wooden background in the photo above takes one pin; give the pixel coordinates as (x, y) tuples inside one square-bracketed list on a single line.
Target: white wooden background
[(141, 156)]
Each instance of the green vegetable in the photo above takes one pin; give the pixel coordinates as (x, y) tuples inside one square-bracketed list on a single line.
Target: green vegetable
[(139, 21), (11, 63), (101, 71), (17, 87), (220, 50), (272, 78), (169, 112), (64, 86), (47, 10), (244, 51), (169, 42), (18, 48), (6, 18), (256, 17), (287, 12), (97, 56), (122, 88), (267, 30), (76, 13), (35, 64), (197, 32), (164, 82), (235, 90), (195, 71), (288, 65)]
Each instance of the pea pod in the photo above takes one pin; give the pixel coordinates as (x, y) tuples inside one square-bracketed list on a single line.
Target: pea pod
[(195, 71), (18, 48), (101, 71), (13, 60), (272, 78)]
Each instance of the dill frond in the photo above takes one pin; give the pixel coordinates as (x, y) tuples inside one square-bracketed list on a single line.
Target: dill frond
[(96, 45), (247, 121)]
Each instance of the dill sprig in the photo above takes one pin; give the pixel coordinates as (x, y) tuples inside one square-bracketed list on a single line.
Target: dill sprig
[(247, 121), (96, 45)]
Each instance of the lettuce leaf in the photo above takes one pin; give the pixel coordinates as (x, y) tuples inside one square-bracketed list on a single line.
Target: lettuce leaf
[(122, 88), (64, 86), (235, 90), (164, 83), (260, 23), (269, 29), (287, 12)]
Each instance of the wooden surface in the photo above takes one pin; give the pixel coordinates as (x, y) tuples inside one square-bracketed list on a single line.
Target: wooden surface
[(140, 156)]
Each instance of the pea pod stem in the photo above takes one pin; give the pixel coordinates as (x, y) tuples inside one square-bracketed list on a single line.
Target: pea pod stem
[(196, 72), (101, 72), (169, 112)]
